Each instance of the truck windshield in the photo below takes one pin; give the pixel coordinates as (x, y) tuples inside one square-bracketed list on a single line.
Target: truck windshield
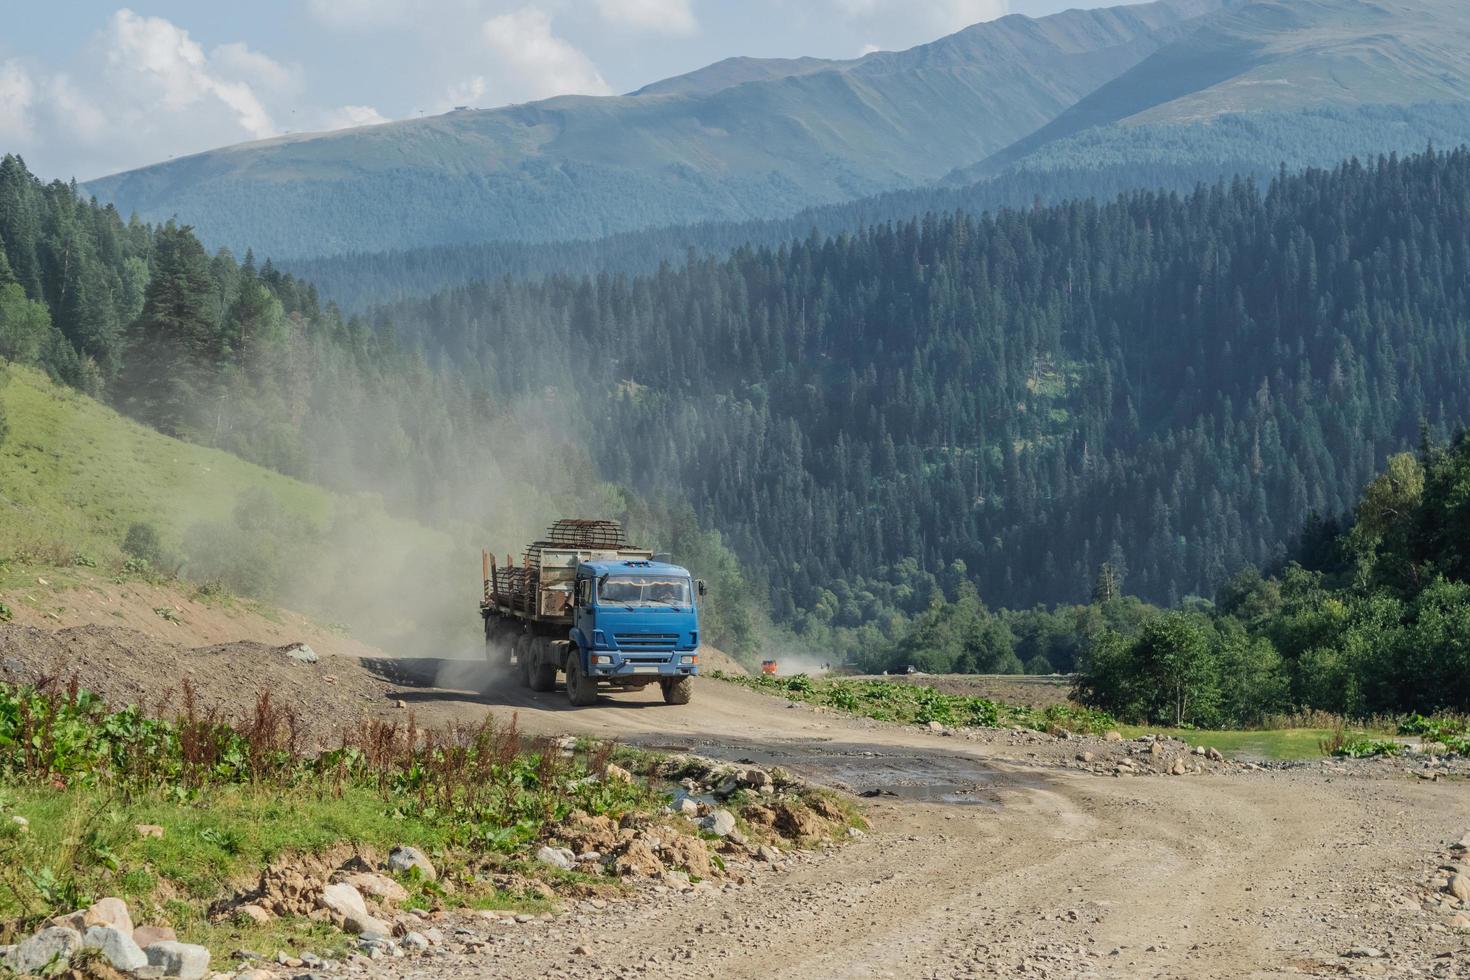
[(644, 590)]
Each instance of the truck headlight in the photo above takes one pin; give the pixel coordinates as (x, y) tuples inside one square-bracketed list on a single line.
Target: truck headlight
[(689, 659), (604, 661)]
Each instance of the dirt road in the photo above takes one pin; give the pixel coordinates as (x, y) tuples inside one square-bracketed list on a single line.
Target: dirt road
[(1040, 872)]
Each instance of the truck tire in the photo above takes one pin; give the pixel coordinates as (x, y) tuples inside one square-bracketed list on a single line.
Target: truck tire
[(680, 691), (581, 689), (539, 668)]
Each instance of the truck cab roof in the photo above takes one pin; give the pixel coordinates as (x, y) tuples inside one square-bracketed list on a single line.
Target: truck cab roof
[(610, 566)]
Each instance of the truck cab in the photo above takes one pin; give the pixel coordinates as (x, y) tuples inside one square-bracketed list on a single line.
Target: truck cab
[(635, 622)]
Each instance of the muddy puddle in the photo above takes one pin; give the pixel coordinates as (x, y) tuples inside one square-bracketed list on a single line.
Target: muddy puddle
[(877, 771)]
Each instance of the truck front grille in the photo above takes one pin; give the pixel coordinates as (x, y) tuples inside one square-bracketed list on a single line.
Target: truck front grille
[(646, 641)]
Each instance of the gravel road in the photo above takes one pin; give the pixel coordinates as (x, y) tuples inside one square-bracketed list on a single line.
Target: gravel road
[(1039, 871)]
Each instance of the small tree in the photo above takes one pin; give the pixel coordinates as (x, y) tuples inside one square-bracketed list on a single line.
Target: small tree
[(1173, 654)]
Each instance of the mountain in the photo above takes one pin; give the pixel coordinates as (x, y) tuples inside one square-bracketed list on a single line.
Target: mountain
[(740, 139), (1342, 60)]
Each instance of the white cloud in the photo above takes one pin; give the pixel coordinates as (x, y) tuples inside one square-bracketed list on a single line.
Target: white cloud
[(469, 91), (543, 64), (351, 116), (17, 93), (655, 16), (943, 15), (868, 49), (361, 15)]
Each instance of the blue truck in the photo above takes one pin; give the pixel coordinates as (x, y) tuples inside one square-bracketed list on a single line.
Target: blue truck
[(584, 603)]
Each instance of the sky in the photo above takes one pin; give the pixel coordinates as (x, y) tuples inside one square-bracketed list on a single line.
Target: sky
[(89, 88)]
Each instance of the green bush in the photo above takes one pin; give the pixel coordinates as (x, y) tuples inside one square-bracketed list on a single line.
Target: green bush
[(143, 544)]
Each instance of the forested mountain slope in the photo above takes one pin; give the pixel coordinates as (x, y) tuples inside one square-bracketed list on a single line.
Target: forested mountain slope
[(734, 141), (1172, 384)]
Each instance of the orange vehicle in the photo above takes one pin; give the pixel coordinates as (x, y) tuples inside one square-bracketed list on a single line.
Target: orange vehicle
[(768, 667)]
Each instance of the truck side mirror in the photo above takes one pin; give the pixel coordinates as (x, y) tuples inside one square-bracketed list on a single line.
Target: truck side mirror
[(700, 587)]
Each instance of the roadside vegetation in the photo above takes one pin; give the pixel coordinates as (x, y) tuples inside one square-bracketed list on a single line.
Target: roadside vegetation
[(918, 704), (176, 814)]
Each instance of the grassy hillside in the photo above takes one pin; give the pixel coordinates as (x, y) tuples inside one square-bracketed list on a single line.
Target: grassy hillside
[(75, 477), (737, 140)]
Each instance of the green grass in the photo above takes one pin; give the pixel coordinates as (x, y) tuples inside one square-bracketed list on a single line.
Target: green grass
[(920, 704), (74, 475), (1281, 744)]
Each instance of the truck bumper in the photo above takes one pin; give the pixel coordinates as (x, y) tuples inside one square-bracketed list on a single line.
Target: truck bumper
[(613, 665)]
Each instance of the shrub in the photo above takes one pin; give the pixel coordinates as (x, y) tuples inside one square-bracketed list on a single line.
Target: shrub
[(143, 544)]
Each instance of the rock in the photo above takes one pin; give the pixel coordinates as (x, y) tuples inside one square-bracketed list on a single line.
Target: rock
[(1178, 768), (557, 857), (21, 822), (434, 936), (183, 960), (757, 779), (638, 859), (149, 830), (616, 773), (403, 857), (301, 653), (116, 946), (378, 886), (936, 727), (251, 913), (1113, 737), (1365, 953), (1460, 920), (345, 902), (768, 854), (1459, 886), (255, 975), (54, 944), (146, 936), (719, 822), (1085, 757), (1213, 754), (415, 940), (1155, 750), (687, 807), (109, 912)]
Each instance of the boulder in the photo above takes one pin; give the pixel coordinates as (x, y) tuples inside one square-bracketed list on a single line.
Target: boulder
[(301, 653), (54, 944), (403, 857), (146, 936), (1177, 768), (345, 902), (378, 886), (250, 913), (183, 960), (638, 859), (617, 774), (757, 779), (687, 807), (148, 830), (557, 857), (415, 940), (109, 912), (116, 946), (1113, 737), (719, 822), (1459, 886)]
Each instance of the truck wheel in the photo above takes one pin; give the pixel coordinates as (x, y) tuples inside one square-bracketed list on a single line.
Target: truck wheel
[(581, 689), (540, 668), (680, 691)]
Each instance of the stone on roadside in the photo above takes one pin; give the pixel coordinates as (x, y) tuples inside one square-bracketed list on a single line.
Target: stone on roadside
[(183, 960), (1460, 920), (1213, 754), (415, 940), (557, 857), (301, 653), (378, 886), (345, 902), (109, 912), (403, 857), (1459, 886), (687, 807), (1178, 768), (1113, 737), (719, 822), (1085, 757), (54, 944), (1365, 953), (615, 773), (146, 936), (116, 946), (252, 913)]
